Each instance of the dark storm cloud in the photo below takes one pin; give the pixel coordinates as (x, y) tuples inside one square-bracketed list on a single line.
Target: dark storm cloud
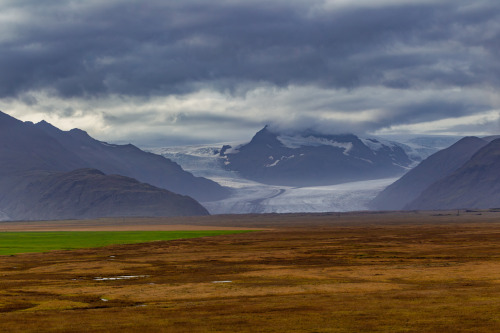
[(149, 67), (96, 48)]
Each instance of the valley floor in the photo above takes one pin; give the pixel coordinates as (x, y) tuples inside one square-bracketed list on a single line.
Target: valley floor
[(351, 272)]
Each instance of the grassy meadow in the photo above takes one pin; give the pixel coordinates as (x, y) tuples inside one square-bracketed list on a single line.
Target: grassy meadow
[(26, 242)]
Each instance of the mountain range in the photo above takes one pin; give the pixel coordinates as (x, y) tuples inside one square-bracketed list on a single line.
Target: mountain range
[(89, 193), (47, 173), (309, 159), (130, 161), (41, 165)]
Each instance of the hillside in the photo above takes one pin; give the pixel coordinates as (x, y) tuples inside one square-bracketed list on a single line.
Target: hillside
[(130, 161), (88, 193), (435, 167), (36, 158), (476, 184)]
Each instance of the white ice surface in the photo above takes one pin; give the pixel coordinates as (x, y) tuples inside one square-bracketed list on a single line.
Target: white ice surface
[(261, 198), (252, 197)]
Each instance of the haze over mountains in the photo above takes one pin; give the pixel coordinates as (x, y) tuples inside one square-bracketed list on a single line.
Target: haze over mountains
[(38, 163)]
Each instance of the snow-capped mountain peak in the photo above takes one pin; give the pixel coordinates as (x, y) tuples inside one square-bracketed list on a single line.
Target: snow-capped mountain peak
[(305, 159)]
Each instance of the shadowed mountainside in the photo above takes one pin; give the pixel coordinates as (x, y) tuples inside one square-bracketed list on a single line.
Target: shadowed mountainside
[(476, 184), (130, 161), (89, 193), (32, 162), (432, 169)]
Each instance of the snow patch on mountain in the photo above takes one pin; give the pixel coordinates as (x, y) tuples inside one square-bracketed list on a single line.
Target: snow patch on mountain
[(278, 160), (232, 150), (312, 141), (373, 144), (273, 164)]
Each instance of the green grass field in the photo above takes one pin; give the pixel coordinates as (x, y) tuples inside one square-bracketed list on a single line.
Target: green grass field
[(24, 242)]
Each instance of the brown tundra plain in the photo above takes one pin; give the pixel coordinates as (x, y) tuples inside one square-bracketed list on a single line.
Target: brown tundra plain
[(352, 272)]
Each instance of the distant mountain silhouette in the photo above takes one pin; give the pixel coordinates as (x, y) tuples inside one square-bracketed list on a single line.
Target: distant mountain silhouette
[(32, 157), (491, 138), (310, 159), (23, 147), (476, 184), (437, 166), (130, 161), (89, 193)]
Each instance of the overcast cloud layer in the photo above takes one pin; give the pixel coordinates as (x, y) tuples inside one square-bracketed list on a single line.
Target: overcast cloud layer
[(194, 71)]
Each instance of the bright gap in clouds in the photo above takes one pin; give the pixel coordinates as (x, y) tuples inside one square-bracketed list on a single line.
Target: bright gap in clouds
[(208, 116), (489, 122), (178, 72)]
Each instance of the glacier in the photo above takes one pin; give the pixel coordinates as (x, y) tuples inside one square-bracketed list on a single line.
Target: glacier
[(253, 197)]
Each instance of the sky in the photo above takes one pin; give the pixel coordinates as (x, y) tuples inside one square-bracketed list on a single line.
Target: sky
[(162, 73)]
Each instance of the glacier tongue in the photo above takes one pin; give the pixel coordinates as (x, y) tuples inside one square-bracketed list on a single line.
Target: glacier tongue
[(252, 197), (261, 198)]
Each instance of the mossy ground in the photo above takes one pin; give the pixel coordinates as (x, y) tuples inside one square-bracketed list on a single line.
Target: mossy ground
[(24, 242), (426, 273)]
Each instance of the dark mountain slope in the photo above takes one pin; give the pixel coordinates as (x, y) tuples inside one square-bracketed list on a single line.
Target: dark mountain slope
[(32, 161), (435, 167), (130, 161), (23, 147), (88, 193), (474, 185), (314, 159)]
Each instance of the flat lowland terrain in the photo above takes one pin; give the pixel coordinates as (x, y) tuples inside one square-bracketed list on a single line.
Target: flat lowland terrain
[(26, 242), (370, 272)]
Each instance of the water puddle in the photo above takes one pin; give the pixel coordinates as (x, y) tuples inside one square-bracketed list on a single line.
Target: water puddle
[(121, 277)]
